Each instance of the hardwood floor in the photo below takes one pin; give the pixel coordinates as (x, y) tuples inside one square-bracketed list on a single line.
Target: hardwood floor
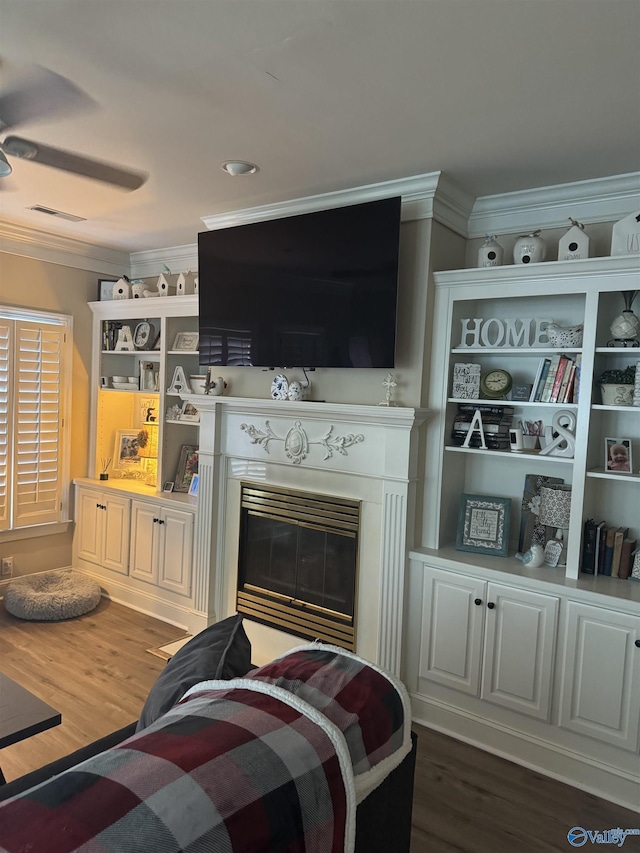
[(97, 672)]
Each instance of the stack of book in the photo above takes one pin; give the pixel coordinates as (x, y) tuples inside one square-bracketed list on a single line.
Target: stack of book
[(557, 379), (496, 421), (607, 549)]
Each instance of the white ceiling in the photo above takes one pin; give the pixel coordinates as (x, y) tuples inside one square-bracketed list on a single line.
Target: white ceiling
[(500, 95)]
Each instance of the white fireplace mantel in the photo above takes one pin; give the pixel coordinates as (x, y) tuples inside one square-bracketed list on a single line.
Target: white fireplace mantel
[(369, 453)]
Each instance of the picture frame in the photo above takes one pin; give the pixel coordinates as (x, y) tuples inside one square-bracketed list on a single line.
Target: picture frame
[(125, 454), (186, 342), (189, 413), (187, 467), (193, 486), (105, 289), (168, 486), (483, 524), (618, 456)]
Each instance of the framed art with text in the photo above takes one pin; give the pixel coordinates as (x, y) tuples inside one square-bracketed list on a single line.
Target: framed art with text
[(483, 525), (105, 289)]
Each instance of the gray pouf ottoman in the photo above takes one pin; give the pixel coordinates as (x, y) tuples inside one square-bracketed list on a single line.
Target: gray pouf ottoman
[(52, 596)]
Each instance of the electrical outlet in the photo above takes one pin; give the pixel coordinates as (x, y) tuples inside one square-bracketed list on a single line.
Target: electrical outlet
[(6, 567)]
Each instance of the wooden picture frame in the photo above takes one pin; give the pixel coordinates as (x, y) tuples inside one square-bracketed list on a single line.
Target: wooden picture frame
[(186, 342), (187, 467), (105, 289), (483, 525), (125, 455), (617, 456)]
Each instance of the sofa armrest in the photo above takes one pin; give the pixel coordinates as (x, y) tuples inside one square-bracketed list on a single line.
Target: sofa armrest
[(29, 780)]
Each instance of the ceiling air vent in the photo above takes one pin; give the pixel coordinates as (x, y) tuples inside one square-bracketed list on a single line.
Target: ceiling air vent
[(39, 208)]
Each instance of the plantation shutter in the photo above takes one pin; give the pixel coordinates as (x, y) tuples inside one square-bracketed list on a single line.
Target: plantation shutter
[(5, 414), (37, 423)]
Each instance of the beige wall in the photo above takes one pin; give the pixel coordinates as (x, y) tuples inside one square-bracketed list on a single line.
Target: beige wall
[(28, 283)]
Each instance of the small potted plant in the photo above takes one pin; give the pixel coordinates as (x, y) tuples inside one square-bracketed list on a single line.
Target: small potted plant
[(616, 386)]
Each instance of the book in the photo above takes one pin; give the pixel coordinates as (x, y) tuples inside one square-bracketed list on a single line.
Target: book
[(628, 547), (588, 547), (618, 539), (495, 428), (576, 380), (566, 394), (489, 408), (536, 380), (566, 376), (601, 546), (608, 551), (542, 379), (557, 382), (600, 529), (551, 378)]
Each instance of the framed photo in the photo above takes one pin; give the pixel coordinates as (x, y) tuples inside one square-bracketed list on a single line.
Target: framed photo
[(168, 486), (483, 525), (105, 289), (186, 342), (125, 454), (193, 488), (187, 467), (617, 455), (189, 413)]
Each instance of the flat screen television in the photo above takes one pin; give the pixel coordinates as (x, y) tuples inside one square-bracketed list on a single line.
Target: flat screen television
[(314, 290)]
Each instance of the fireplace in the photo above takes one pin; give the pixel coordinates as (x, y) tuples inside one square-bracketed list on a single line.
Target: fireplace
[(297, 562)]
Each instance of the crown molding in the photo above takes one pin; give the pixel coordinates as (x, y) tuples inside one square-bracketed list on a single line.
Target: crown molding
[(598, 200), (53, 248), (431, 195), (155, 261)]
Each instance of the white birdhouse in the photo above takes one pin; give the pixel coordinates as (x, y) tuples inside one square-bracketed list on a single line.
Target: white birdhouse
[(122, 289), (137, 290), (491, 253), (186, 283), (625, 237), (165, 286), (574, 245), (195, 284)]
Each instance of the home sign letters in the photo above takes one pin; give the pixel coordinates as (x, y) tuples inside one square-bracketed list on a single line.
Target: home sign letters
[(518, 333)]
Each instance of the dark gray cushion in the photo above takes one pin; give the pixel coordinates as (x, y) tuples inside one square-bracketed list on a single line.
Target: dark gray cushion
[(221, 651)]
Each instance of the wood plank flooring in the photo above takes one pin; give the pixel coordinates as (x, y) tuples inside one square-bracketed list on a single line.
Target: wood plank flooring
[(96, 671)]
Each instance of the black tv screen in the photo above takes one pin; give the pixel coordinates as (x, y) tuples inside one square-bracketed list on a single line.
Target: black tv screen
[(314, 290)]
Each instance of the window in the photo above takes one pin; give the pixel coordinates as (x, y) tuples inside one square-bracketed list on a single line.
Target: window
[(35, 364)]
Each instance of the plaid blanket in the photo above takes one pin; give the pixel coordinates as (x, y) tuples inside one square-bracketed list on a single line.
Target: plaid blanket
[(263, 764)]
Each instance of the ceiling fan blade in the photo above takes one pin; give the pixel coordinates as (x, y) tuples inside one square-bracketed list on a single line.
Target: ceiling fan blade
[(57, 158), (39, 95)]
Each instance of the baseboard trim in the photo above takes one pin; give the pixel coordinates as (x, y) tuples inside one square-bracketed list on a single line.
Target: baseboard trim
[(178, 615), (549, 759)]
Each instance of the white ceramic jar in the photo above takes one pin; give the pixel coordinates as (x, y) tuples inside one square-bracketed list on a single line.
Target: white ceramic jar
[(529, 249)]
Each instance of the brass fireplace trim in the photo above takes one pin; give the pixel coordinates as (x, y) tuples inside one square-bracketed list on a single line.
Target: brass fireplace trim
[(319, 511), (296, 618)]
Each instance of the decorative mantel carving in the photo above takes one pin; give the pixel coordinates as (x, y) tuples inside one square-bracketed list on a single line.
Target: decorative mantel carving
[(297, 441)]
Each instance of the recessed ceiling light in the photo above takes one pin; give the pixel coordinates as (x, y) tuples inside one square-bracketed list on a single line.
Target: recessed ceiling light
[(239, 167)]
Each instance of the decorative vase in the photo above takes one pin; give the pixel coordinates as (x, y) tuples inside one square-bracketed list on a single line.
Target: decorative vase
[(491, 253), (529, 249), (616, 395)]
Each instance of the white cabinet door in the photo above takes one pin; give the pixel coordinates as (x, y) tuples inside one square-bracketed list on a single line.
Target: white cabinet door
[(90, 522), (103, 529), (115, 533), (451, 645), (145, 537), (176, 550), (601, 684), (519, 644)]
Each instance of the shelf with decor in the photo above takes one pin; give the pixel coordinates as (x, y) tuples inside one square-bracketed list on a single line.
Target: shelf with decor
[(493, 330), (138, 345)]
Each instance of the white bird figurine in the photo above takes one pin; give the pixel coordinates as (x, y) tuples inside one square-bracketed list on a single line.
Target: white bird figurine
[(533, 558)]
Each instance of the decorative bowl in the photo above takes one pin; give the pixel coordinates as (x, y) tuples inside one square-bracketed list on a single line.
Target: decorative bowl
[(198, 383), (565, 336)]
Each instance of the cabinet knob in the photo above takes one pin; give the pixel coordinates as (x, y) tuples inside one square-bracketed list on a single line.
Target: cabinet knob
[(490, 605), (155, 520), (160, 521), (637, 643), (478, 601)]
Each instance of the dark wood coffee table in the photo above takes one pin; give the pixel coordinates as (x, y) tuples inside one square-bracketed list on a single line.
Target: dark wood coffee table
[(22, 714)]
